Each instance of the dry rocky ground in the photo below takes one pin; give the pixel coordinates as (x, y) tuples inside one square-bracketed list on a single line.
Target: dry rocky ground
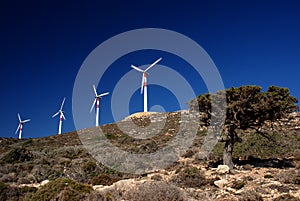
[(59, 167)]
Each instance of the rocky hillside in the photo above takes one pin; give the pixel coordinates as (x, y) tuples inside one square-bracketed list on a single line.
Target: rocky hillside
[(60, 168)]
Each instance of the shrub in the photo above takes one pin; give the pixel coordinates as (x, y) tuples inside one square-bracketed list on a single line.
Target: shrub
[(154, 191), (247, 178), (238, 184), (287, 197), (157, 177), (281, 189), (268, 176), (14, 193), (17, 155), (60, 189), (3, 190), (96, 196), (190, 177), (250, 196), (289, 177), (110, 136), (72, 152), (10, 177), (89, 167)]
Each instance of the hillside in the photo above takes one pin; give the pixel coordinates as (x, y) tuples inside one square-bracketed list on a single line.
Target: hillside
[(60, 168)]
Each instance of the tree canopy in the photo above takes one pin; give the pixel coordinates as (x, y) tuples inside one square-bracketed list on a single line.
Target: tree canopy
[(245, 107)]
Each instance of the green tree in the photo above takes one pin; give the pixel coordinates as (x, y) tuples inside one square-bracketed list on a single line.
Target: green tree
[(246, 107)]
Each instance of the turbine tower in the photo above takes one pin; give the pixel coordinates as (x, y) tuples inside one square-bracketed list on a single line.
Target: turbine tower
[(61, 116), (144, 82), (97, 103), (20, 126)]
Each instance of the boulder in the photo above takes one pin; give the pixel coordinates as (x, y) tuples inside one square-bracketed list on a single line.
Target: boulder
[(221, 183), (223, 169)]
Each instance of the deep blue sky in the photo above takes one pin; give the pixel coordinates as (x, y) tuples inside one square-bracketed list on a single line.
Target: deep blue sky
[(44, 43)]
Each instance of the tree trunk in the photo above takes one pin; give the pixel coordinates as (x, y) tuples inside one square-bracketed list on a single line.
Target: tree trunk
[(227, 154)]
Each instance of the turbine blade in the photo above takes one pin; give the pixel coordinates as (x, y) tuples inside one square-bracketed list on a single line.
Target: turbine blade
[(27, 120), (136, 68), (103, 94), (19, 117), (63, 116), (155, 62), (18, 129), (62, 104), (55, 114), (95, 91), (93, 105)]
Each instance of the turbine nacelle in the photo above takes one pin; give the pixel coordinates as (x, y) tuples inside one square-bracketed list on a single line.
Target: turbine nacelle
[(97, 97), (145, 73), (61, 115), (144, 80), (21, 122), (60, 111)]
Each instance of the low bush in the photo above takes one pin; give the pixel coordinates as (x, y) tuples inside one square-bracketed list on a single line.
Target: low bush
[(156, 177), (286, 197), (154, 191), (14, 193), (289, 177), (250, 196), (281, 189), (17, 155), (61, 189), (238, 184), (268, 176), (3, 191), (96, 196), (89, 167), (247, 178), (190, 177)]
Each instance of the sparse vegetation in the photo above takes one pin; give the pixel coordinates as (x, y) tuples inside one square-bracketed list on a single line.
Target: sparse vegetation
[(63, 158), (289, 177), (250, 196), (238, 184), (287, 197), (60, 189), (268, 176), (17, 155), (154, 191), (14, 193), (190, 177)]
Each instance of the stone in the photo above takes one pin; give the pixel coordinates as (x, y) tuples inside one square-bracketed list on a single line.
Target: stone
[(221, 183), (223, 169), (44, 182)]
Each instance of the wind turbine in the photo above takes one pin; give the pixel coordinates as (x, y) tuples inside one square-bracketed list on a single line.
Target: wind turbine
[(97, 103), (20, 126), (61, 116), (144, 82)]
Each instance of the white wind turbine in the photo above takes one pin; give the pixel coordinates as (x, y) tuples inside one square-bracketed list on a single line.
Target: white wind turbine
[(61, 116), (144, 82), (20, 126), (97, 103)]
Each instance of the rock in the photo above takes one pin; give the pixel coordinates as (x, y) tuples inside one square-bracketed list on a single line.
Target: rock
[(232, 190), (44, 182), (97, 187), (221, 183), (223, 169)]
